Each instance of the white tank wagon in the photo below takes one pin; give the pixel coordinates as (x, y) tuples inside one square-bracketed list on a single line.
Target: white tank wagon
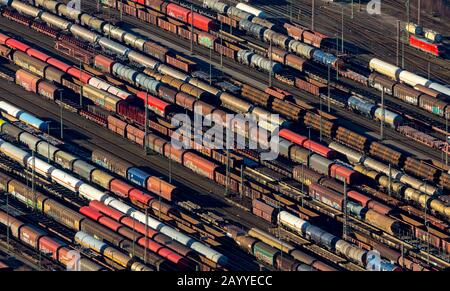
[(216, 5)]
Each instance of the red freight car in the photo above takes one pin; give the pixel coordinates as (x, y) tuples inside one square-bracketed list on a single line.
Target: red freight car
[(426, 46), (198, 21), (15, 44), (309, 87), (38, 55), (178, 12), (58, 64), (80, 75), (103, 63)]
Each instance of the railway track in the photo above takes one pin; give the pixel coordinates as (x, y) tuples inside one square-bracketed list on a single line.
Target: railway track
[(202, 200), (26, 255), (62, 194)]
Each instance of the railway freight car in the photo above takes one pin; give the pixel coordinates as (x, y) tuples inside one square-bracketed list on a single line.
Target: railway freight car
[(133, 174), (180, 13), (23, 116), (421, 96)]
